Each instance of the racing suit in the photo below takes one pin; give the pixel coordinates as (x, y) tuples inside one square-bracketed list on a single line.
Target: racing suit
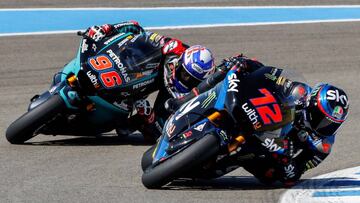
[(289, 166), (147, 120)]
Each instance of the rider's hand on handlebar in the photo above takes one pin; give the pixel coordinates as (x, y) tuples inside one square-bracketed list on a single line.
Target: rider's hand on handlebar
[(171, 105), (233, 61), (97, 33)]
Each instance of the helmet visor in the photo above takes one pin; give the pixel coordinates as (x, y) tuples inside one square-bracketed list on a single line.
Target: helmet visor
[(321, 123), (183, 76)]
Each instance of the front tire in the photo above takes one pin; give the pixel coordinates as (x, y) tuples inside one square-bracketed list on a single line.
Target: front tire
[(24, 128), (147, 158), (194, 155)]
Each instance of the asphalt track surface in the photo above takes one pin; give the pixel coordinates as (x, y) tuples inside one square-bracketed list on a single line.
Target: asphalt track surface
[(71, 169)]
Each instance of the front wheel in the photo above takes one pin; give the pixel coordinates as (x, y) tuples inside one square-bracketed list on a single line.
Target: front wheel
[(25, 127), (147, 158), (192, 156)]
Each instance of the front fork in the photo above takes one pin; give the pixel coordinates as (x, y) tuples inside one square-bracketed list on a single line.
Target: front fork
[(70, 94), (232, 144)]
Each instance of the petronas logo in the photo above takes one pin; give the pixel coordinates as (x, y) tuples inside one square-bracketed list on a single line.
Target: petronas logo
[(208, 100)]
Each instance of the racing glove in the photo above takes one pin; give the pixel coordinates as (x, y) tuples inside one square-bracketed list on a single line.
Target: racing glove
[(97, 33), (171, 105), (242, 63)]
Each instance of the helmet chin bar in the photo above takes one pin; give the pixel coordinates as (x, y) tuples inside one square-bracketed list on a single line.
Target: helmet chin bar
[(179, 86)]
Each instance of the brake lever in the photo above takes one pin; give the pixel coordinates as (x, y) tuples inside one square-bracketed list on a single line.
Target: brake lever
[(83, 35), (80, 33)]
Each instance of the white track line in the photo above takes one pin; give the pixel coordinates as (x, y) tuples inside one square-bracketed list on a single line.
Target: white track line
[(191, 26), (304, 192), (181, 8)]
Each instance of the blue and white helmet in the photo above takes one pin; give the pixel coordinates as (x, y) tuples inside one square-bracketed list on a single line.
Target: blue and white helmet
[(195, 65)]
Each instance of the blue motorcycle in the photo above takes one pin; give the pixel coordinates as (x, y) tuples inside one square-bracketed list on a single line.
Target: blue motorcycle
[(94, 92), (239, 119)]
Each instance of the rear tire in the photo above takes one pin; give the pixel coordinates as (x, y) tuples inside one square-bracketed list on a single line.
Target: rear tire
[(24, 127), (194, 155)]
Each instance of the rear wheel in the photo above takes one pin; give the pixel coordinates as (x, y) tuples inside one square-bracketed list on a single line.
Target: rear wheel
[(25, 127), (192, 156)]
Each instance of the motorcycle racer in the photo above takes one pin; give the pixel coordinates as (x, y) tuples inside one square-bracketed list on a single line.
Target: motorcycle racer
[(319, 114), (182, 68)]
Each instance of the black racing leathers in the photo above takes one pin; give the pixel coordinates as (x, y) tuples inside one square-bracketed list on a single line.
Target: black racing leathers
[(289, 166), (242, 62), (151, 125)]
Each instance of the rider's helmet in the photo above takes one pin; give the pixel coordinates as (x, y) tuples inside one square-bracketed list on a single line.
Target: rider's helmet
[(327, 108), (194, 65)]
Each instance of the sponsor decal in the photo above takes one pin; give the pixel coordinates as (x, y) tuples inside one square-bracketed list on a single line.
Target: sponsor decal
[(123, 24), (209, 99), (263, 104), (158, 38), (233, 83), (170, 46), (152, 36), (335, 96), (288, 84), (93, 79), (142, 74), (135, 38), (155, 37), (152, 66), (200, 127), (125, 94), (122, 105), (187, 134), (270, 145), (289, 171), (197, 68), (315, 91), (338, 112), (108, 76), (184, 109), (120, 44), (170, 129), (120, 65), (252, 115), (113, 38), (281, 80), (270, 76), (274, 71), (142, 84), (223, 135), (94, 47), (84, 46)]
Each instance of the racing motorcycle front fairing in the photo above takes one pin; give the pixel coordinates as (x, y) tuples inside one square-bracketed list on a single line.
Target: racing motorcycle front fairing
[(191, 122), (204, 114)]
